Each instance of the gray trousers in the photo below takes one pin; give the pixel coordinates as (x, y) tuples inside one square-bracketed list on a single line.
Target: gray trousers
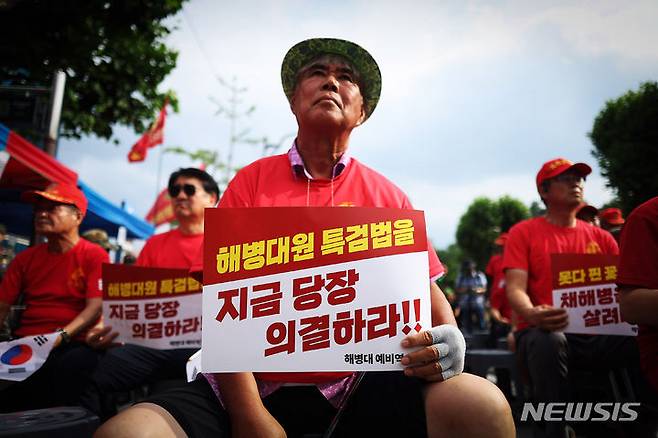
[(547, 357)]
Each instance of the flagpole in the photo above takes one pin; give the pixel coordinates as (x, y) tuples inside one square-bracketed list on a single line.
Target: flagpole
[(157, 182)]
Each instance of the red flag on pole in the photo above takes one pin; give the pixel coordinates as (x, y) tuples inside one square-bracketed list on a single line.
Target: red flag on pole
[(162, 210), (153, 137)]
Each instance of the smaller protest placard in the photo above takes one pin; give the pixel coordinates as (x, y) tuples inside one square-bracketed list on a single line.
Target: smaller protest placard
[(153, 307), (584, 285), (20, 358)]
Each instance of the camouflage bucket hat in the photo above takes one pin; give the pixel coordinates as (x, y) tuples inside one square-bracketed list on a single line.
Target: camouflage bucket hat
[(306, 51)]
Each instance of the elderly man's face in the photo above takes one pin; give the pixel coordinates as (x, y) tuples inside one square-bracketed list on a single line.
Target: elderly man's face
[(327, 92), (55, 218)]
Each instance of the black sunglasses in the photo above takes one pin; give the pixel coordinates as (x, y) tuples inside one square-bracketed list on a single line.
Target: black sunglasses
[(188, 189)]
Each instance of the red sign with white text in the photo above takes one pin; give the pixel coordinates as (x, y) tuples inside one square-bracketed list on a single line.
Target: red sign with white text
[(312, 289), (584, 284), (153, 307)]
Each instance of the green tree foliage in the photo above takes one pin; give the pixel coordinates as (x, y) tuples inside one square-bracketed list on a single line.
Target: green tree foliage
[(536, 209), (113, 53), (477, 229), (625, 138), (451, 257), (510, 211), (483, 221)]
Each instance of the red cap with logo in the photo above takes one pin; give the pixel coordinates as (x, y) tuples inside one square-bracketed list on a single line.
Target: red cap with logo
[(612, 216), (553, 168), (64, 193)]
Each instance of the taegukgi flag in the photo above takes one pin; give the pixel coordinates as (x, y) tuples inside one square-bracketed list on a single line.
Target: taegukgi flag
[(20, 358)]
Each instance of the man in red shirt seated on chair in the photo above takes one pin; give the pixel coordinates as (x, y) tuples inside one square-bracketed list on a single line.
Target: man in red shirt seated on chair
[(60, 284), (126, 367), (545, 351), (332, 86)]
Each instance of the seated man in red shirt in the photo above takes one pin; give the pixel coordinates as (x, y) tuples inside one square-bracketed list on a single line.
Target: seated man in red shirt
[(545, 351), (332, 86), (128, 366), (60, 284), (638, 283)]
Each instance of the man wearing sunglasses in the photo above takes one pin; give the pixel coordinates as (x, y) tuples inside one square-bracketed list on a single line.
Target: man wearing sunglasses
[(191, 191), (129, 366), (543, 349)]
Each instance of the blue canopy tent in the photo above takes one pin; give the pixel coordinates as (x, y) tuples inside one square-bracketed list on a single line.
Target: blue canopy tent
[(107, 216), (25, 167)]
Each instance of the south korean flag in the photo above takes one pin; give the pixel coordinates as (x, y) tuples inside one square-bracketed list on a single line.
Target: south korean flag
[(22, 357)]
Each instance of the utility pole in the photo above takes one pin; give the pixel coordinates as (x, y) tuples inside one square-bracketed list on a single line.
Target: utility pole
[(56, 99), (233, 112)]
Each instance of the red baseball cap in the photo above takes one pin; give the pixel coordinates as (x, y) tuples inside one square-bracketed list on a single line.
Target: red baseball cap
[(612, 216), (553, 168), (64, 193), (587, 210)]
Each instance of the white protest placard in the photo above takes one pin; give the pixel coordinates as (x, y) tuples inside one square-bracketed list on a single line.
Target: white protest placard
[(584, 285), (20, 358), (153, 307), (312, 289)]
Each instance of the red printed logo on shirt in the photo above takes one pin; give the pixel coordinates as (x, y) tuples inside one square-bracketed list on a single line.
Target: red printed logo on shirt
[(593, 248), (77, 279)]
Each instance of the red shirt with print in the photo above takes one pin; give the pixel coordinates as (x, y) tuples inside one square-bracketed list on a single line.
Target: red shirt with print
[(172, 249), (530, 244), (271, 182), (498, 297), (56, 286), (638, 267)]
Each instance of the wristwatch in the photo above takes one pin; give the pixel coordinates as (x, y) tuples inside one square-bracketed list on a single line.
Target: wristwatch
[(66, 338)]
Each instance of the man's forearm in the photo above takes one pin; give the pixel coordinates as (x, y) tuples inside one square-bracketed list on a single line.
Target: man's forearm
[(639, 306), (519, 300), (516, 281), (441, 310), (88, 316)]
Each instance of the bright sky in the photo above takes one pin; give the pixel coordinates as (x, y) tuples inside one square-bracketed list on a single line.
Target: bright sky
[(475, 97)]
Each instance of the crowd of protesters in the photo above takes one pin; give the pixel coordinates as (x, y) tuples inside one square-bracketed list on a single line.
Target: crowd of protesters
[(333, 86)]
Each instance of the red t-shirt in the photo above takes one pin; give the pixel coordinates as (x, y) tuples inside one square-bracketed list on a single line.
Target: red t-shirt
[(172, 249), (638, 267), (270, 182), (498, 297), (530, 244), (56, 286)]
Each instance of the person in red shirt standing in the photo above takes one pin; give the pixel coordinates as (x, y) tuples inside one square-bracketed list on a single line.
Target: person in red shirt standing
[(126, 367), (545, 351), (638, 282), (332, 86), (60, 286), (501, 312)]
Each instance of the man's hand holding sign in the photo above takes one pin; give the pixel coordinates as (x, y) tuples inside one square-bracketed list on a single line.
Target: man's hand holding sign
[(441, 358)]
